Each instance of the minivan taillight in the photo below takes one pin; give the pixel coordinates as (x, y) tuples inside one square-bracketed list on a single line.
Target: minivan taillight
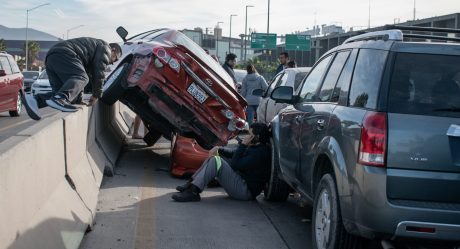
[(373, 143)]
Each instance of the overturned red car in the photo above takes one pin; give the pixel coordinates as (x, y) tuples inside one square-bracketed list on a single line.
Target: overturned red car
[(176, 88)]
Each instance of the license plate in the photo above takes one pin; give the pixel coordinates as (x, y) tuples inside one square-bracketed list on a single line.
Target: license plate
[(197, 93)]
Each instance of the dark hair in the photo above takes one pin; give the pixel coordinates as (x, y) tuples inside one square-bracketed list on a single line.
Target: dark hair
[(116, 48), (230, 57), (250, 69), (261, 132), (285, 54), (291, 64)]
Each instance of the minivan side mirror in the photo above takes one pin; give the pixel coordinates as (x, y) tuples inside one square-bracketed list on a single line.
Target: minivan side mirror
[(122, 32), (258, 92), (2, 73), (283, 94)]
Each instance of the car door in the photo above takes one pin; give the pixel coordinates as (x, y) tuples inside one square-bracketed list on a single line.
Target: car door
[(7, 99), (262, 109), (291, 121), (272, 107), (314, 126), (17, 79)]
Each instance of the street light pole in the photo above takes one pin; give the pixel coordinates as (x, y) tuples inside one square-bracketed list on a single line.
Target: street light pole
[(217, 42), (246, 31), (27, 29), (76, 27), (230, 36)]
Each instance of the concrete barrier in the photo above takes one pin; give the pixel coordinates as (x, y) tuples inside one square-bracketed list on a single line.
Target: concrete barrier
[(50, 176)]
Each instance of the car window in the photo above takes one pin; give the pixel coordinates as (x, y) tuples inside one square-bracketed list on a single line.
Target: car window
[(14, 66), (366, 78), (273, 84), (343, 84), (5, 65), (43, 76), (425, 84), (298, 79), (332, 76), (313, 81), (30, 74), (283, 80)]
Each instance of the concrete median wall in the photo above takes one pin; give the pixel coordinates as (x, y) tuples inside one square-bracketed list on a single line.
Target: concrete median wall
[(50, 176)]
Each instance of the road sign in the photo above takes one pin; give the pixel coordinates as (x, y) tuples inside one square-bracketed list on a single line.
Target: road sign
[(298, 42), (261, 40)]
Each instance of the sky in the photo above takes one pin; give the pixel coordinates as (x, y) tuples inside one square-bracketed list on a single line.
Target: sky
[(100, 18)]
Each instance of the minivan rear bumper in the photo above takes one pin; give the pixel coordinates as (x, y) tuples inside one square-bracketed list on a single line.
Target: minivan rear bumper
[(369, 213)]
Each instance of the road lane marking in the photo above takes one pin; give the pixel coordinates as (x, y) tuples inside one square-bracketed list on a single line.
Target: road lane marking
[(23, 122)]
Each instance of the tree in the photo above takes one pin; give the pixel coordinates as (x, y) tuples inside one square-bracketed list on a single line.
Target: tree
[(33, 50), (263, 67), (2, 45)]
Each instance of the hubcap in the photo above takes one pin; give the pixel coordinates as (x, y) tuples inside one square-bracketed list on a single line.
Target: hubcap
[(323, 220), (112, 78)]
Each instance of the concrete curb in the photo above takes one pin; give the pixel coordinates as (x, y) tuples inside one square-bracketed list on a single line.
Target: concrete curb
[(51, 175)]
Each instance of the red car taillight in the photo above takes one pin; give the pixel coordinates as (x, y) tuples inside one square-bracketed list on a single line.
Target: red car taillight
[(373, 143), (166, 58)]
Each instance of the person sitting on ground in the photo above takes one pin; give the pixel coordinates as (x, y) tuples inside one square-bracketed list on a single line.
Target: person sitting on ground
[(243, 176), (71, 65)]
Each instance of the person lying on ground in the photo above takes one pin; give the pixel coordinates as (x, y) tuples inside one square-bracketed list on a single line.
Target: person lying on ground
[(242, 172)]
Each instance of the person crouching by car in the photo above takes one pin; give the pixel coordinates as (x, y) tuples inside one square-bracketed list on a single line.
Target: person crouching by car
[(252, 81), (243, 175)]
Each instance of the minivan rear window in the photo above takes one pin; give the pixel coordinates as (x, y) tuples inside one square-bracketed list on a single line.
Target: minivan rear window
[(425, 84)]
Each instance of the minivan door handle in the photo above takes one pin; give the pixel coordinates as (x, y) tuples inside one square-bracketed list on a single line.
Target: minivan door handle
[(320, 124)]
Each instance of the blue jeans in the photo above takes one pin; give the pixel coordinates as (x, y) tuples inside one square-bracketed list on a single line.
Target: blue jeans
[(250, 113)]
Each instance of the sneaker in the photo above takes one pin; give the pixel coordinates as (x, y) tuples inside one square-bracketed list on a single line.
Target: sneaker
[(182, 188), (61, 103), (31, 105)]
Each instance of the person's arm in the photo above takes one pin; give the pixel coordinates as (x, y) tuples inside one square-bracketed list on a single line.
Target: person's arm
[(226, 151), (100, 62), (263, 83)]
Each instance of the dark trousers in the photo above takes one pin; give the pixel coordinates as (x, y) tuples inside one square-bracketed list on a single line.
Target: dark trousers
[(66, 74)]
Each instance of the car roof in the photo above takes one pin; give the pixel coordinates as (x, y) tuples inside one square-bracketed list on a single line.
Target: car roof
[(298, 69)]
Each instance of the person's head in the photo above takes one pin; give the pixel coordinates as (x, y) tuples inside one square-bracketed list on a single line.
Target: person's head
[(291, 64), (115, 52), (230, 59), (260, 132), (283, 58), (251, 69)]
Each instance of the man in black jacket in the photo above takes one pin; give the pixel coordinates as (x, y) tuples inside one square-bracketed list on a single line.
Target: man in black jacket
[(230, 62), (243, 176), (71, 65), (283, 58)]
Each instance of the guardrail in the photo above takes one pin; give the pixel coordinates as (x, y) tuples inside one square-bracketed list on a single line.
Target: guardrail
[(50, 175)]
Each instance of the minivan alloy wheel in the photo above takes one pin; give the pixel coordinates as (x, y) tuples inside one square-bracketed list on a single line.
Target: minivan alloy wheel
[(323, 220)]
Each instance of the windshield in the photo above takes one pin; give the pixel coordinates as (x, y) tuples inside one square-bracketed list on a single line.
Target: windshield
[(30, 75), (181, 39), (425, 84), (148, 35), (43, 76)]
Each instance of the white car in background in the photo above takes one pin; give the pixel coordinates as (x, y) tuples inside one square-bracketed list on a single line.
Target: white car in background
[(268, 108), (42, 84)]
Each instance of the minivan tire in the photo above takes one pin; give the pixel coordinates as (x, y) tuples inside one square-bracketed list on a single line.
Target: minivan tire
[(276, 189), (336, 235), (18, 110), (115, 85)]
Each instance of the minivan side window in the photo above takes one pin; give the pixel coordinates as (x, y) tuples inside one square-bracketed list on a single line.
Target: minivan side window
[(5, 65), (313, 81), (365, 85), (332, 76), (273, 84)]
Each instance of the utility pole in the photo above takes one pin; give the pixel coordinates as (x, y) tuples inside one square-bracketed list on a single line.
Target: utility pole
[(369, 19), (230, 36), (27, 29), (217, 41), (246, 31), (414, 9)]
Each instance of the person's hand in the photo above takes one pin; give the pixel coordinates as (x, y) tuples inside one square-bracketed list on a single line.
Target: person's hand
[(247, 140), (92, 101), (214, 151)]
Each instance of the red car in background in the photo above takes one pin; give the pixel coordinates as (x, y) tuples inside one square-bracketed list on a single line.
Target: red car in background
[(176, 88), (11, 85)]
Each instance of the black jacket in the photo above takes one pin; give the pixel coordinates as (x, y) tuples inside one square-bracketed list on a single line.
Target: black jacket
[(252, 163), (229, 70), (93, 53), (280, 68)]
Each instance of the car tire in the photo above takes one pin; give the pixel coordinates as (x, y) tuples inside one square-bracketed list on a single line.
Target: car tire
[(328, 231), (115, 85), (276, 189), (18, 110)]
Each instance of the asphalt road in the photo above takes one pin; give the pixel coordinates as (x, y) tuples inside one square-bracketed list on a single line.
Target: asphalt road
[(10, 126), (135, 210)]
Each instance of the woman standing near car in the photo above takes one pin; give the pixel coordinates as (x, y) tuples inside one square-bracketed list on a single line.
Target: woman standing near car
[(251, 82)]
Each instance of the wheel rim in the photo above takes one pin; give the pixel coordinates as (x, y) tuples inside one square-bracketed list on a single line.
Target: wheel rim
[(19, 104), (112, 78), (323, 220)]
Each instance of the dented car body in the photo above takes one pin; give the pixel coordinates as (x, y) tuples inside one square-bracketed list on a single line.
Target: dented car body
[(176, 87)]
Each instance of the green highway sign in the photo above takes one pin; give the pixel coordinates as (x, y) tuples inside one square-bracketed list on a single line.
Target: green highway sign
[(298, 42), (261, 40)]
